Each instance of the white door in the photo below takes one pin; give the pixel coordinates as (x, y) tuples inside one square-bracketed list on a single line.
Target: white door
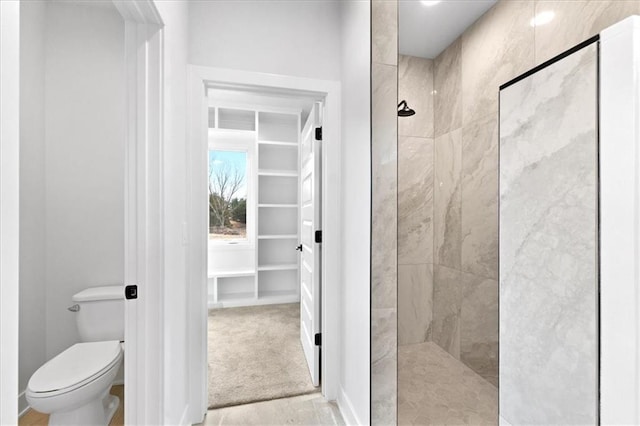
[(310, 222)]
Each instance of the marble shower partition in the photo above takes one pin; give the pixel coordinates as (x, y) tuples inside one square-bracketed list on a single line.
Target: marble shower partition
[(548, 244), (384, 214)]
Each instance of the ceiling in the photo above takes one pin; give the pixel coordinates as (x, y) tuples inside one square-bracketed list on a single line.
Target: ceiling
[(425, 31)]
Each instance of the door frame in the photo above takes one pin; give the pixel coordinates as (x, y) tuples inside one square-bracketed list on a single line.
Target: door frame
[(198, 79), (144, 220), (9, 207)]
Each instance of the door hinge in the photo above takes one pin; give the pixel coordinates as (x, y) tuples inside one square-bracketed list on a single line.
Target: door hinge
[(131, 292), (318, 236), (318, 133), (318, 339)]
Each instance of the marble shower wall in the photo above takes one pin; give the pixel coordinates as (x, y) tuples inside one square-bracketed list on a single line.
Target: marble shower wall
[(415, 201), (548, 246), (384, 204), (498, 47), (467, 75)]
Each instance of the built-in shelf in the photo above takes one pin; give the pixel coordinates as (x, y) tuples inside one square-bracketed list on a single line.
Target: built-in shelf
[(279, 173), (229, 274), (279, 206), (279, 143), (277, 294), (236, 296), (281, 267), (278, 237)]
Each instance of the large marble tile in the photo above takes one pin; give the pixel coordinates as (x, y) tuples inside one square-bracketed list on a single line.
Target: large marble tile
[(548, 245), (415, 85), (447, 198), (384, 365), (415, 303), (385, 186), (479, 204), (448, 89), (415, 200), (497, 48), (436, 389), (479, 326), (447, 305), (576, 21), (384, 32)]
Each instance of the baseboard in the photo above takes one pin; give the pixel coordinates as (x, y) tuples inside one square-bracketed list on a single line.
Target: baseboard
[(346, 409), (503, 422), (184, 418), (23, 405)]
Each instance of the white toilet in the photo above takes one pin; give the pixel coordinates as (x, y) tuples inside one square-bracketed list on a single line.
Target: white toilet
[(74, 386)]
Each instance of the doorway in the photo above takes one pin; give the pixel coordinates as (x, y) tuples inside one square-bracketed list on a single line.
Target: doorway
[(263, 209), (258, 268)]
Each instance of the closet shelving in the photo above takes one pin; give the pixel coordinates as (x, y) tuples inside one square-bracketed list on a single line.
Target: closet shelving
[(274, 277)]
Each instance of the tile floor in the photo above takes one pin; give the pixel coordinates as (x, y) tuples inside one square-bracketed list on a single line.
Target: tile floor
[(310, 409), (436, 389)]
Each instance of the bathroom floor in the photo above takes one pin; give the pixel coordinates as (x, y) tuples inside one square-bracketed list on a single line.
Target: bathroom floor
[(34, 418), (309, 410), (435, 388)]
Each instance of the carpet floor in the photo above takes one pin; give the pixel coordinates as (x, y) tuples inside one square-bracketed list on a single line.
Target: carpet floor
[(255, 355)]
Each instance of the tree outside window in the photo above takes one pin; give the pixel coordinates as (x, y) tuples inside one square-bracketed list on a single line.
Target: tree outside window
[(227, 195)]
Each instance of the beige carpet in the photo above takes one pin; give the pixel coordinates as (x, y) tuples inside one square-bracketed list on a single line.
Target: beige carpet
[(255, 355)]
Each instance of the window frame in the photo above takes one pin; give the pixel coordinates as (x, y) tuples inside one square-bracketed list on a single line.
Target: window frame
[(238, 142)]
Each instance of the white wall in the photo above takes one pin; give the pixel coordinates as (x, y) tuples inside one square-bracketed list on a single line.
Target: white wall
[(32, 322), (84, 158), (327, 40), (298, 38), (356, 210), (176, 350)]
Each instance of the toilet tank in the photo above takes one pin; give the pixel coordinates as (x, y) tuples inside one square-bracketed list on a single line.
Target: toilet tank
[(100, 313)]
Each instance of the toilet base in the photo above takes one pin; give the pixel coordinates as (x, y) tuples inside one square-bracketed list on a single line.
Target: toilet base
[(97, 412)]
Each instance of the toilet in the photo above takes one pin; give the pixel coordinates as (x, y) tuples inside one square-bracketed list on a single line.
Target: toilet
[(73, 387)]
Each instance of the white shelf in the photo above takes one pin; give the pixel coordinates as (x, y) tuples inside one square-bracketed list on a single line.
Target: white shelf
[(277, 294), (229, 274), (231, 297), (279, 173), (280, 206), (281, 267), (278, 237), (279, 143)]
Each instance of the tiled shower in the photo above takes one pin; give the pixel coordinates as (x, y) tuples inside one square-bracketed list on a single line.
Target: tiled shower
[(447, 204)]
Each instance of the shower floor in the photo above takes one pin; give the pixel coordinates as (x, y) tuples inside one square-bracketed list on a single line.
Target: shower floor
[(436, 389)]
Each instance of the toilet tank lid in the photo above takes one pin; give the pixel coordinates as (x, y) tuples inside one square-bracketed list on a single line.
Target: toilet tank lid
[(112, 292)]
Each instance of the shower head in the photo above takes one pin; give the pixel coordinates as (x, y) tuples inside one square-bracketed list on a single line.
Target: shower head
[(405, 111)]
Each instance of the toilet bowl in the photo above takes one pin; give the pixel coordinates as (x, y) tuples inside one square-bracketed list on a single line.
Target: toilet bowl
[(74, 386)]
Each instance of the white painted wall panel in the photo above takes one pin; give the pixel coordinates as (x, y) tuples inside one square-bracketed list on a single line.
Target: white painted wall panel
[(356, 212), (298, 38), (84, 158)]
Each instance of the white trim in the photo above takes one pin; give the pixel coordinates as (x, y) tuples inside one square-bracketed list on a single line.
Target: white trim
[(184, 418), (620, 223), (346, 409), (140, 11), (329, 91), (22, 402), (9, 207), (503, 422), (144, 222)]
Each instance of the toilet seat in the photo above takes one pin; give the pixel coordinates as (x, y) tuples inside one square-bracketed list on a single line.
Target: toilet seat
[(80, 364)]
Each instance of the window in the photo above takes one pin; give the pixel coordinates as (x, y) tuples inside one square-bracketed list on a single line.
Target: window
[(228, 195)]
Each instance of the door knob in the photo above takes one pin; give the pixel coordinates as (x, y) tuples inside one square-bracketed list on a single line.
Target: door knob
[(299, 248)]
